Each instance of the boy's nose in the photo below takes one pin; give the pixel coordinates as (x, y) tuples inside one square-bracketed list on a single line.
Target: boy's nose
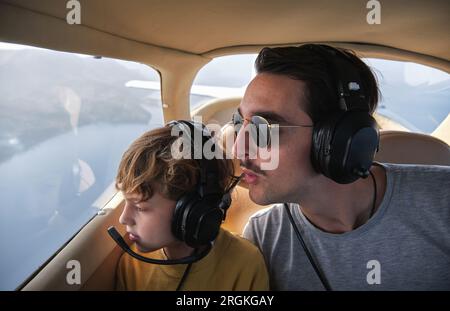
[(126, 217)]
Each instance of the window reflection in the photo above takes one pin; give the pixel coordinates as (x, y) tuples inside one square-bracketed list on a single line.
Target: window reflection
[(65, 120)]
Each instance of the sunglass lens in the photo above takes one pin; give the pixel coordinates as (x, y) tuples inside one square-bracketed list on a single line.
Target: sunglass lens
[(237, 122), (260, 131)]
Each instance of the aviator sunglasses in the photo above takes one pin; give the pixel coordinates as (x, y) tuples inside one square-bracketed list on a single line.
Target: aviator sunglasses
[(260, 128)]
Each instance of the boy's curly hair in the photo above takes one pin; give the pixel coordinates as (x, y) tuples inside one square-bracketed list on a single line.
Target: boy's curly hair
[(148, 165)]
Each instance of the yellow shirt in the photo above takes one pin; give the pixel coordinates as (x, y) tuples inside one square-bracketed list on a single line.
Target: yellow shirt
[(232, 264)]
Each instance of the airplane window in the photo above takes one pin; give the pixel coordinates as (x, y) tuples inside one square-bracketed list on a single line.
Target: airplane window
[(65, 120), (413, 97), (225, 76)]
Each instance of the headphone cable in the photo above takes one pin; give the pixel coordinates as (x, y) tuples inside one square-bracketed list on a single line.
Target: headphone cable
[(374, 194), (184, 277), (319, 273)]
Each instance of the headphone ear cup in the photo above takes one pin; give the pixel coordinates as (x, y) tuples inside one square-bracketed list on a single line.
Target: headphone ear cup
[(182, 208), (196, 221), (321, 144), (353, 147), (344, 143), (203, 221)]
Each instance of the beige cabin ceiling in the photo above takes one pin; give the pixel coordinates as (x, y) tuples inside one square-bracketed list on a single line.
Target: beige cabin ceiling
[(204, 25)]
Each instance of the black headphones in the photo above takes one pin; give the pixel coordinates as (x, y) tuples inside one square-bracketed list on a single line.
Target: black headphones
[(199, 213), (344, 144)]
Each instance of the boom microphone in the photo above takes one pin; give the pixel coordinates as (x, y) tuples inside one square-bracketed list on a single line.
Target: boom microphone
[(185, 260)]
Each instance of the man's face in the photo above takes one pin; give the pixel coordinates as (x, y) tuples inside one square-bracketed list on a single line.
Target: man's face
[(149, 222), (280, 100)]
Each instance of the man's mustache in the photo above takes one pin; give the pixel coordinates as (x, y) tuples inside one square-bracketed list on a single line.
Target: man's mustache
[(250, 166)]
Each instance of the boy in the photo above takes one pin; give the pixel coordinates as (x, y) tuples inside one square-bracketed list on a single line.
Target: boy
[(152, 182)]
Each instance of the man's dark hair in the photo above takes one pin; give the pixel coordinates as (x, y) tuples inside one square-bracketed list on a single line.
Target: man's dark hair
[(307, 64)]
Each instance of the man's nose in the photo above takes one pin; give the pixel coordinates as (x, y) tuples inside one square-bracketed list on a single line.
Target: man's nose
[(126, 218), (244, 146), (240, 145)]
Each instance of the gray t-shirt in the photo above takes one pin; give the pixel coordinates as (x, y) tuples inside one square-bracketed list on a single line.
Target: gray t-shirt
[(404, 246)]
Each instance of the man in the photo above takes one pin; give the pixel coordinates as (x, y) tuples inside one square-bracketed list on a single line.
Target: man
[(387, 232)]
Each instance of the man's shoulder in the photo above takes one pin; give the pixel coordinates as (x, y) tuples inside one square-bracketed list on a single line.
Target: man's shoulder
[(268, 214), (265, 222), (416, 169), (432, 178)]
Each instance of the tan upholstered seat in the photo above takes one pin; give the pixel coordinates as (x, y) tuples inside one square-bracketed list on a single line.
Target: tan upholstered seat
[(412, 148), (217, 110)]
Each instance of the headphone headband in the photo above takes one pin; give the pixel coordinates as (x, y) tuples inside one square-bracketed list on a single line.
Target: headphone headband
[(347, 79), (208, 181), (198, 214)]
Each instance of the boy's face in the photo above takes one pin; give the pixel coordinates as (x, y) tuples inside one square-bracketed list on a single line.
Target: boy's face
[(148, 222)]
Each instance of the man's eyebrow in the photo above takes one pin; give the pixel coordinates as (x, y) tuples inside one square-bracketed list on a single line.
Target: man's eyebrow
[(269, 115)]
